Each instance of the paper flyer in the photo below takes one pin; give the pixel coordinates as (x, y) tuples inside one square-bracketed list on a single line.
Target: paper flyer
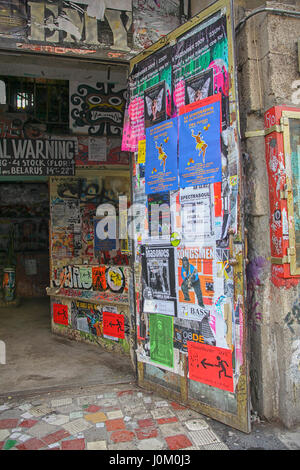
[(161, 169), (199, 142)]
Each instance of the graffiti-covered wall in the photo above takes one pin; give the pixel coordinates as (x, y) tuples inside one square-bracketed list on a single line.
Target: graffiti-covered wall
[(90, 275)]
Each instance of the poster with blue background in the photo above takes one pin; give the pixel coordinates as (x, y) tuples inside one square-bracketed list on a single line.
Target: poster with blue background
[(161, 168), (199, 142)]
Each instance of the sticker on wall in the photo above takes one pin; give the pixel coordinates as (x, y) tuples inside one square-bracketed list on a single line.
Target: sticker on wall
[(199, 142), (60, 314), (86, 317), (210, 365), (161, 340), (85, 277), (99, 278), (161, 157), (113, 325), (115, 279)]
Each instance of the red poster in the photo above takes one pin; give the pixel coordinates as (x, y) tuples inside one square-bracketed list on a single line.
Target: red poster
[(60, 314), (211, 365), (113, 325)]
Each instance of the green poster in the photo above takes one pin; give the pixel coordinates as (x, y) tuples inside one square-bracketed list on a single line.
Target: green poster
[(161, 339)]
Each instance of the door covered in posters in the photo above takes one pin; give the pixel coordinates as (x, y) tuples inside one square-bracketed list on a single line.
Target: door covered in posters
[(181, 125)]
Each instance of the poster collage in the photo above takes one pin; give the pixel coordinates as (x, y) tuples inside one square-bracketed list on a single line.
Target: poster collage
[(89, 278), (179, 127)]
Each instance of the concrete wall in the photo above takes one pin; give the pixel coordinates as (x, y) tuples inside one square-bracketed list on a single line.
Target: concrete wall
[(267, 59)]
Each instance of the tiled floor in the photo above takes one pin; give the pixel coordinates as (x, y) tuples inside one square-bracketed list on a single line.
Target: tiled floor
[(120, 418)]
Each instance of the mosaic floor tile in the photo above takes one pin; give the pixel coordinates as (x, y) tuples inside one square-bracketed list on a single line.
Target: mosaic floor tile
[(215, 446), (159, 404), (4, 407), (187, 414), (178, 442), (8, 423), (114, 424), (96, 417), (174, 419), (151, 444), (114, 414), (39, 411), (162, 413), (146, 433), (171, 429), (87, 400), (204, 437), (75, 444), (25, 407), (31, 444), (9, 444), (145, 423), (55, 436), (4, 433), (93, 409), (122, 436), (28, 423), (59, 420), (61, 402), (76, 414), (24, 437), (97, 445), (41, 429), (79, 425)]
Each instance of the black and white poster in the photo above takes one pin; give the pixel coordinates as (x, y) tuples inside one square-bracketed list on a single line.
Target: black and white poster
[(158, 277)]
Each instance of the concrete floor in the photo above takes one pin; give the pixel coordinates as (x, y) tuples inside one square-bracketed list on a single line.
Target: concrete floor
[(38, 360)]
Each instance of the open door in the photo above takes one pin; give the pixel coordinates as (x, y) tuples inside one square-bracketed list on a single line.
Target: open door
[(187, 225)]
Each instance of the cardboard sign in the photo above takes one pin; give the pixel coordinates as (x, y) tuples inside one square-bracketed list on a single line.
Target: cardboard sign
[(60, 314), (113, 325), (210, 365)]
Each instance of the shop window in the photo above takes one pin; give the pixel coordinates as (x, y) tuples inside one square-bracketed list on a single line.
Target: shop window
[(24, 100), (291, 121), (44, 100), (2, 92)]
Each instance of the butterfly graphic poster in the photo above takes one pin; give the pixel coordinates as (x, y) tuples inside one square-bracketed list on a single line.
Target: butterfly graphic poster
[(155, 104), (199, 142), (199, 86), (161, 168)]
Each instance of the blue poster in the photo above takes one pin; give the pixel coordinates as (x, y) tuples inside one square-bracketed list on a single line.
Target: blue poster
[(200, 159), (161, 169), (104, 234)]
